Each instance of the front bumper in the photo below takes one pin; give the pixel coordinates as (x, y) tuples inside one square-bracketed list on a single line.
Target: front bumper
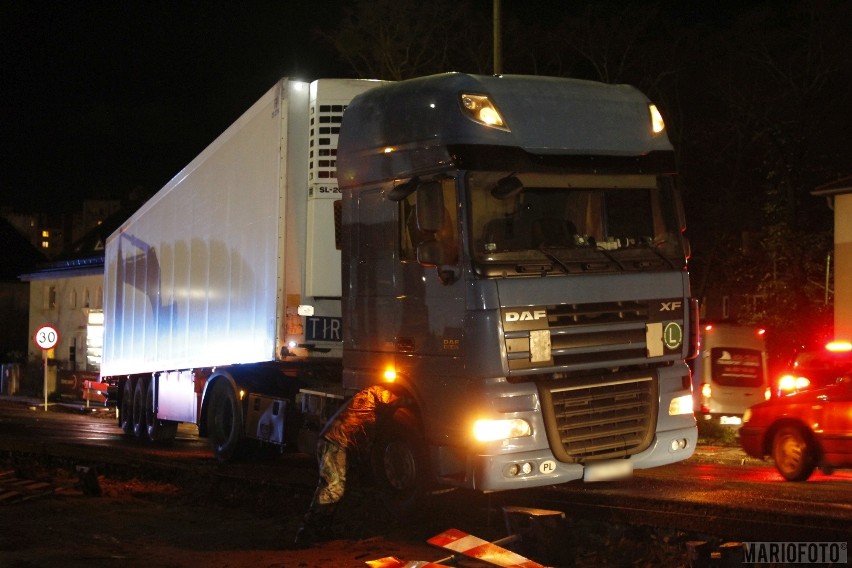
[(539, 468)]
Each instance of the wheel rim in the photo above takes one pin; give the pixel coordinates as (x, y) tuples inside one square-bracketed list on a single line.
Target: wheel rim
[(400, 466), (223, 420), (791, 451)]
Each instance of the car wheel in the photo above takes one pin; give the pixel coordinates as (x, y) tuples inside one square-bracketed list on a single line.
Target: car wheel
[(794, 453)]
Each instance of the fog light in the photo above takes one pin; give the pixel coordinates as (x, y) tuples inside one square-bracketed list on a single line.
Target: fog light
[(679, 444), (517, 469)]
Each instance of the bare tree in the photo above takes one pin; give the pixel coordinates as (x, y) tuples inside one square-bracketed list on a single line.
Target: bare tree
[(778, 84), (400, 39)]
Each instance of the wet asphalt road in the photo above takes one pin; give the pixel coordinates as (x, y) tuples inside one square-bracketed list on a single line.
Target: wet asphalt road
[(718, 491)]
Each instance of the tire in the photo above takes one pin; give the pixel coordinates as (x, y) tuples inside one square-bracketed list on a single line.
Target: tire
[(140, 394), (224, 421), (157, 430), (400, 466), (794, 453), (125, 411)]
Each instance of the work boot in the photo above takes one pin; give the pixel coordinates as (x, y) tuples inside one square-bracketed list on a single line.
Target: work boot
[(316, 527)]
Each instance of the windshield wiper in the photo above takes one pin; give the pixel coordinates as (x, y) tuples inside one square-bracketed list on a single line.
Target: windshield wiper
[(610, 257), (555, 260), (653, 246)]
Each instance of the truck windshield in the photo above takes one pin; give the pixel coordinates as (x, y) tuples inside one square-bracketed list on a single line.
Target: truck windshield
[(572, 223)]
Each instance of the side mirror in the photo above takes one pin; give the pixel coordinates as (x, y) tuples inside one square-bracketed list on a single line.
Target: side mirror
[(430, 253), (434, 253), (403, 190), (430, 206), (507, 187)]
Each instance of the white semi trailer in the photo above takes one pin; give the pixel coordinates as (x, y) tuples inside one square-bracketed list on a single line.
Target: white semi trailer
[(506, 251)]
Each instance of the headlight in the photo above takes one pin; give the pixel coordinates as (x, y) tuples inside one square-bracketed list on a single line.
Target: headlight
[(681, 405), (492, 430)]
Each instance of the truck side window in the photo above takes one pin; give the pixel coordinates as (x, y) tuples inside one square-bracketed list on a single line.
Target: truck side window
[(411, 236)]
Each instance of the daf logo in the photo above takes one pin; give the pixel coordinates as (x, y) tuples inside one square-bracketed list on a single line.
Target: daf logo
[(526, 316), (670, 306)]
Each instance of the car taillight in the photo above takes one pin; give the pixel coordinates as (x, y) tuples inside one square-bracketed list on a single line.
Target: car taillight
[(706, 391), (788, 384)]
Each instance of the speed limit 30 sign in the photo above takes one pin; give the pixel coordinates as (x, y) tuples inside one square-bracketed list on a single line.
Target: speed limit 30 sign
[(46, 337)]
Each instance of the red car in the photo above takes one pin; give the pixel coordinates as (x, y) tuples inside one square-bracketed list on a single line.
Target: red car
[(815, 368), (802, 431)]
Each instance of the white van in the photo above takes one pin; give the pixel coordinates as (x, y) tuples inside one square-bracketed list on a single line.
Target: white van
[(730, 373)]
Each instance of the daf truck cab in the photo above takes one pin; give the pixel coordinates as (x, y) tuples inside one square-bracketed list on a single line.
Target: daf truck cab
[(514, 258)]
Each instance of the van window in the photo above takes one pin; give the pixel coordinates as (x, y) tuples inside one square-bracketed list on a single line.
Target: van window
[(736, 367)]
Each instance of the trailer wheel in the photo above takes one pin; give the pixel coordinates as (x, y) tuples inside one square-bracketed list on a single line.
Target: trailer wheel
[(125, 412), (140, 392), (224, 421), (157, 430), (400, 466)]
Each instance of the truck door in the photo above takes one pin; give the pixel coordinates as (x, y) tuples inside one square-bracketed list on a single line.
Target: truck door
[(428, 292)]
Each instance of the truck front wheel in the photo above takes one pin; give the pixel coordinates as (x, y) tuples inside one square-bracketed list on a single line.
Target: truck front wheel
[(224, 421), (400, 466)]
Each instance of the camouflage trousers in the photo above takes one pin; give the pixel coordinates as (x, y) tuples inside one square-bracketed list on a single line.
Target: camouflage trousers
[(332, 473)]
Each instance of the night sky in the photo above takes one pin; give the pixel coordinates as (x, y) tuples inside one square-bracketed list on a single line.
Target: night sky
[(99, 97)]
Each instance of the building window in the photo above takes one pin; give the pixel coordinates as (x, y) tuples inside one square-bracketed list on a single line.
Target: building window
[(94, 340), (51, 297)]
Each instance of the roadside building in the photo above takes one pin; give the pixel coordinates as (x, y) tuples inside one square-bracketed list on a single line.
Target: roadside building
[(839, 197)]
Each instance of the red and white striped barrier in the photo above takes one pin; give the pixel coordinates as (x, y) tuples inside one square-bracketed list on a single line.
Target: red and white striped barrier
[(474, 547)]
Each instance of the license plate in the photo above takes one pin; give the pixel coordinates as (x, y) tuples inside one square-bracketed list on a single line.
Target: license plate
[(731, 420), (608, 470)]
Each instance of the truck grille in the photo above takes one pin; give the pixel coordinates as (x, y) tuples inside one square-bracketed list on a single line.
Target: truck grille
[(606, 417), (590, 336)]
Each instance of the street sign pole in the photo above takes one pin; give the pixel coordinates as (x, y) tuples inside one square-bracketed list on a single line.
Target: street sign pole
[(46, 337)]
